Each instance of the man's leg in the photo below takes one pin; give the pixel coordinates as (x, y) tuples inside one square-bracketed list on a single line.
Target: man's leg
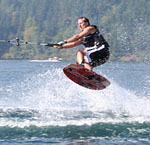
[(80, 59)]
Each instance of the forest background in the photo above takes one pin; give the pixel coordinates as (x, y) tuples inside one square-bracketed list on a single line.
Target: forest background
[(125, 24)]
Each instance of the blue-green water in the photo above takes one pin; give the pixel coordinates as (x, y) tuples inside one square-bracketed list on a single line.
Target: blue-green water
[(39, 105)]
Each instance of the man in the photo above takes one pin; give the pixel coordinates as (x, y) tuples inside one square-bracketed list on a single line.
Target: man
[(96, 51)]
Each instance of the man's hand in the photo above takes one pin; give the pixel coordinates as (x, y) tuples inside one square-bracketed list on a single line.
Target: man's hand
[(58, 46), (62, 42)]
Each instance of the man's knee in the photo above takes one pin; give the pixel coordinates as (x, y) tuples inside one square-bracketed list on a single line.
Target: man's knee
[(79, 52)]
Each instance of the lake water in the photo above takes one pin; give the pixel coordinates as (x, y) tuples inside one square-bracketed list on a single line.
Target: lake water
[(39, 105)]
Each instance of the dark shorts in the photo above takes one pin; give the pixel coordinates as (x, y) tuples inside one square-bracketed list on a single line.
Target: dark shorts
[(99, 57)]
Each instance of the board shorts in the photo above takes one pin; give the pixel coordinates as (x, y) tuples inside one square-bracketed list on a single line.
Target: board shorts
[(96, 55)]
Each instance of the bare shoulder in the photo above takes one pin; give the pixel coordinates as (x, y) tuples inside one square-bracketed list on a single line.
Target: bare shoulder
[(90, 29), (86, 31)]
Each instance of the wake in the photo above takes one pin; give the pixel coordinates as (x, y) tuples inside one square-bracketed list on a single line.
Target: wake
[(53, 99)]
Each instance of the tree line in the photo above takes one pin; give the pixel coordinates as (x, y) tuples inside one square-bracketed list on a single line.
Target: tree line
[(124, 24)]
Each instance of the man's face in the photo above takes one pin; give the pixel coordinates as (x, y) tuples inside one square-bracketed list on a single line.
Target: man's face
[(82, 24)]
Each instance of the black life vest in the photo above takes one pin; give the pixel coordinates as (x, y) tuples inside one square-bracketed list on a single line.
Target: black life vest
[(94, 39)]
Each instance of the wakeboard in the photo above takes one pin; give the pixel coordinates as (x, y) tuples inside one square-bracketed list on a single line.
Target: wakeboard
[(86, 78)]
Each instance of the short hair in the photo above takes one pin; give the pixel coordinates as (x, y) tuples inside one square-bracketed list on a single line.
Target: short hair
[(85, 20)]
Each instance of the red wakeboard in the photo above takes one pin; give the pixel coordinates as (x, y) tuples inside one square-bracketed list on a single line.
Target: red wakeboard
[(86, 78)]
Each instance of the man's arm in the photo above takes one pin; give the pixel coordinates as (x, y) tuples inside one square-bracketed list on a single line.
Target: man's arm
[(72, 44), (86, 31)]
